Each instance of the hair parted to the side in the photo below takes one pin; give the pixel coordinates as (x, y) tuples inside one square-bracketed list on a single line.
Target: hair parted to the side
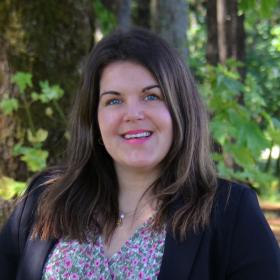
[(84, 197)]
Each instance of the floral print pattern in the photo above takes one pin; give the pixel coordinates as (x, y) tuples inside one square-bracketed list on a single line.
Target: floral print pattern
[(139, 258)]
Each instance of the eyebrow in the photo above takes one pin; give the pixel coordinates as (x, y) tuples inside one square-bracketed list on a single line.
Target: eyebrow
[(150, 87), (109, 92), (118, 94)]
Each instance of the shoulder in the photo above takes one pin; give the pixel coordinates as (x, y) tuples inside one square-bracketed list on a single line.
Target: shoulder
[(28, 203), (233, 202), (41, 180), (243, 232), (14, 233), (21, 219), (231, 195)]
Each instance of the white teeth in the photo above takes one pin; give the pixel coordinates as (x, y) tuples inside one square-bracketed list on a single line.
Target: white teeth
[(138, 135)]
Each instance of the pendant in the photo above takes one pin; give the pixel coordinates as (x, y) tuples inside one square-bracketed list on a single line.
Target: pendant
[(120, 220)]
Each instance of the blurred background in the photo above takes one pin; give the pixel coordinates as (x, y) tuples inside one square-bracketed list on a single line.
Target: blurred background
[(232, 48)]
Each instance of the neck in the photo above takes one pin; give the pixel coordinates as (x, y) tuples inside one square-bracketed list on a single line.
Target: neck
[(132, 186)]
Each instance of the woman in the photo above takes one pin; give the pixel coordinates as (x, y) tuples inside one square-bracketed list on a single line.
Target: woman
[(138, 196)]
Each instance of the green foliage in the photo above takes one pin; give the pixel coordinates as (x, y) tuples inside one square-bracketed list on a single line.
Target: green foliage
[(105, 19), (22, 80), (34, 157), (39, 137), (275, 42), (30, 143), (10, 188), (48, 93), (244, 114), (243, 130), (9, 105), (263, 8)]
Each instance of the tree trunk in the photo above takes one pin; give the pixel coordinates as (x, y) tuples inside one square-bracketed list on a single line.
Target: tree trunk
[(8, 164), (226, 39), (169, 19), (50, 40), (124, 14), (141, 15), (212, 49), (222, 30), (122, 10), (226, 33)]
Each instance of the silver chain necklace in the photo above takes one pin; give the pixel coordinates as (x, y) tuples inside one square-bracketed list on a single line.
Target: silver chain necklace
[(123, 215)]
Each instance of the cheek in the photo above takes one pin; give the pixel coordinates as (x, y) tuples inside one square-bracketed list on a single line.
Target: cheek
[(167, 123), (107, 122)]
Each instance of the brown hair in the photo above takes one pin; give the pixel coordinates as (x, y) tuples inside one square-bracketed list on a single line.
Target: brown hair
[(85, 195)]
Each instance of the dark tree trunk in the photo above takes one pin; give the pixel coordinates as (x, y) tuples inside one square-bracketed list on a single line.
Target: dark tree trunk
[(226, 33), (142, 14), (169, 19), (50, 40), (122, 10), (212, 50), (235, 34), (124, 14), (8, 126), (226, 39)]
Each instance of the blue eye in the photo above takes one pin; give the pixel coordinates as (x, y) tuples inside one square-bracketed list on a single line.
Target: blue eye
[(114, 101), (151, 97)]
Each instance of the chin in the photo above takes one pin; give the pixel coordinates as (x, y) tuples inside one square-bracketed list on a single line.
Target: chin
[(142, 165)]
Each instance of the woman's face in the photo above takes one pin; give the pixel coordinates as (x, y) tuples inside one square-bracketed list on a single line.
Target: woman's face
[(134, 121)]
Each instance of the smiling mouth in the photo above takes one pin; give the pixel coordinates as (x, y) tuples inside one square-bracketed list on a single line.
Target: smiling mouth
[(140, 135)]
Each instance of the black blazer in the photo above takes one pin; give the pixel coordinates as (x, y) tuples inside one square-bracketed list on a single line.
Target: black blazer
[(238, 245)]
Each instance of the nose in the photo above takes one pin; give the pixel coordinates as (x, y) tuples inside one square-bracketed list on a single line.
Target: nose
[(133, 112)]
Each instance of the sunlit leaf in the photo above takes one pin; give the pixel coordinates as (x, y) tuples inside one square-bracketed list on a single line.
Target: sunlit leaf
[(10, 188), (22, 80), (39, 136), (9, 105)]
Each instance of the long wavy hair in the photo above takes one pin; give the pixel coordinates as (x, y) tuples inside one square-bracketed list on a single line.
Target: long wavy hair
[(82, 196)]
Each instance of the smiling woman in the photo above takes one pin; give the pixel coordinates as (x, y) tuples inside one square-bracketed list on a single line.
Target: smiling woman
[(134, 121), (137, 196)]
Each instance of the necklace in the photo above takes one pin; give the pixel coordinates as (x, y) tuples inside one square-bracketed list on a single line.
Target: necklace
[(123, 215), (120, 220)]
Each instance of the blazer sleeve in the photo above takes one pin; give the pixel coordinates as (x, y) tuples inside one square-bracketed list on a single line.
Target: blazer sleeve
[(254, 251), (9, 244), (15, 231)]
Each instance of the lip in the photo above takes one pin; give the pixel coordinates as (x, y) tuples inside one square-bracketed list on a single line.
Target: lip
[(135, 140)]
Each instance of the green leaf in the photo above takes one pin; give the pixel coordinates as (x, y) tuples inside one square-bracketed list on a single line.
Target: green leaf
[(9, 105), (221, 130), (18, 149), (241, 155), (49, 93), (35, 96), (274, 135), (36, 159), (224, 171), (105, 18), (266, 7), (247, 4), (49, 111), (39, 137), (256, 141), (22, 80), (10, 188)]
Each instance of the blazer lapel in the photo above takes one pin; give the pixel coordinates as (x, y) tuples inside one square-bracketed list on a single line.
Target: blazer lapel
[(33, 260), (178, 257)]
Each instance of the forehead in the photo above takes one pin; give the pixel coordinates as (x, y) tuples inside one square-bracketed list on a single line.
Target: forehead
[(122, 73)]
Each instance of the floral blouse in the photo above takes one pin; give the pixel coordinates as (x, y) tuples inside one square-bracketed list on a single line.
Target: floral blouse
[(139, 258)]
